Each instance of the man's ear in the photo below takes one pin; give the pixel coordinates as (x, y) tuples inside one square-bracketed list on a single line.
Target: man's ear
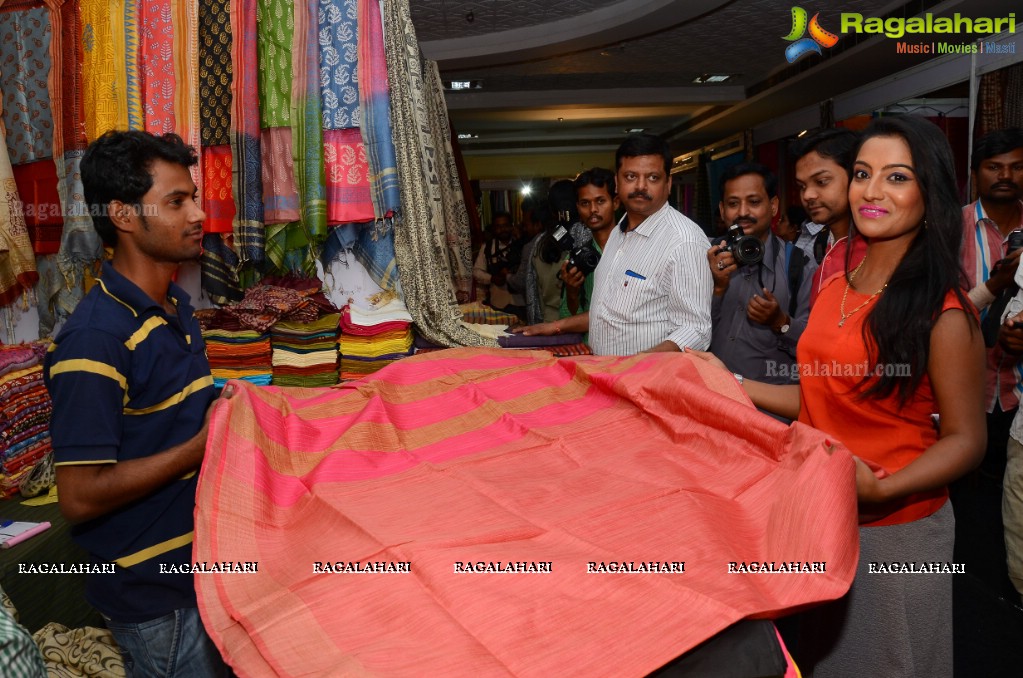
[(121, 215), (774, 207)]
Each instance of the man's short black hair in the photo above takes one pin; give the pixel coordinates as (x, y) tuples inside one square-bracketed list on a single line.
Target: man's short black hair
[(995, 143), (597, 176), (116, 167), (636, 145), (744, 168), (836, 143)]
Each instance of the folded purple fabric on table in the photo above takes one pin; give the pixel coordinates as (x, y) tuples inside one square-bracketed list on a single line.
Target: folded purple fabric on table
[(522, 341)]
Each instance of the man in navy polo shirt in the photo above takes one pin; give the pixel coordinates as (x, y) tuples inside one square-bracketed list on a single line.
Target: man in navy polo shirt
[(131, 391)]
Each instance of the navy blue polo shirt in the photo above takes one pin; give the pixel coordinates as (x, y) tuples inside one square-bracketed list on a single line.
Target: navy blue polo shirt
[(129, 380)]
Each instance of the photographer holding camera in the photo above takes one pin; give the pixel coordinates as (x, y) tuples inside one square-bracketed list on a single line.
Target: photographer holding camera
[(496, 261), (757, 318), (596, 200)]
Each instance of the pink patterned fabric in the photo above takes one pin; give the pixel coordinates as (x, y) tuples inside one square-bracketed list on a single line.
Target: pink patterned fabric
[(486, 456), (280, 192), (347, 173)]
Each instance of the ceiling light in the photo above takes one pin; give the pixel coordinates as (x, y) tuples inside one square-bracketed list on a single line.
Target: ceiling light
[(710, 78), (803, 133), (527, 189), (635, 130), (561, 120), (461, 85)]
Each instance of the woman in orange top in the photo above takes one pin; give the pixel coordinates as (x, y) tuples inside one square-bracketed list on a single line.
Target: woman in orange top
[(887, 345)]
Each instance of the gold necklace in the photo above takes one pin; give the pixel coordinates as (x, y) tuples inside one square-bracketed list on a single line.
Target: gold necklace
[(848, 284)]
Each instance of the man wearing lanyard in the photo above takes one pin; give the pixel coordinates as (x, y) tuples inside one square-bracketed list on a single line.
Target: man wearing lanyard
[(997, 171)]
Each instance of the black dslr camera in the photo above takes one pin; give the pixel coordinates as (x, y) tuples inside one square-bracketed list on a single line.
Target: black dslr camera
[(584, 258), (1015, 241), (746, 249)]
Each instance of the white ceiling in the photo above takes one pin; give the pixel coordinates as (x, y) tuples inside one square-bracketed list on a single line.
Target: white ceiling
[(604, 66)]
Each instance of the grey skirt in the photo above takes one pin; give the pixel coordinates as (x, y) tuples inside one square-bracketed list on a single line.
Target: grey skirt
[(889, 624)]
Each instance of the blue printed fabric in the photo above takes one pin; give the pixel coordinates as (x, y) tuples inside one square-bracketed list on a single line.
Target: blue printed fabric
[(339, 58), (25, 65)]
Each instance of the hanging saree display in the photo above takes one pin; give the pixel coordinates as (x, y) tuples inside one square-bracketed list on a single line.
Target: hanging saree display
[(420, 247)]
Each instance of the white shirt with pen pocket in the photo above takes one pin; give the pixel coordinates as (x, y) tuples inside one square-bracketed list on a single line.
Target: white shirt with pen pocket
[(652, 285)]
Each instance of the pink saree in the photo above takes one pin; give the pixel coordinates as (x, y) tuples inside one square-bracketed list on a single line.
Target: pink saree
[(495, 456)]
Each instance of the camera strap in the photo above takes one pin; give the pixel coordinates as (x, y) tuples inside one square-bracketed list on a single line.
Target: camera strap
[(797, 263)]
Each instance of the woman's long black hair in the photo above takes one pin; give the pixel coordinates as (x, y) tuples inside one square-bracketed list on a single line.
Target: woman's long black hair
[(898, 328)]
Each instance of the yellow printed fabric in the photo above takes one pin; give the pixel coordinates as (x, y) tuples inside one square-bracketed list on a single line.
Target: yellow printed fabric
[(102, 100), (185, 22)]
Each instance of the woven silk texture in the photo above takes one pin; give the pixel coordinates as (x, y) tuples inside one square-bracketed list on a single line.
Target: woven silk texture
[(480, 456)]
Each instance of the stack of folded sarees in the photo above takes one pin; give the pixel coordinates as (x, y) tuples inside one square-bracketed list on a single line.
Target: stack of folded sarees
[(25, 409), (305, 353), (234, 351), (372, 338)]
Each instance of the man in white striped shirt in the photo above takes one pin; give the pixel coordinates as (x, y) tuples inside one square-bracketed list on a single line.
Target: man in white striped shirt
[(652, 289)]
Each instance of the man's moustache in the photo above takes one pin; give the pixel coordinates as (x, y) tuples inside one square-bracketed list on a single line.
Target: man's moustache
[(640, 194)]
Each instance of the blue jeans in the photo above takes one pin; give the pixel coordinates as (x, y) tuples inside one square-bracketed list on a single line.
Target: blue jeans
[(175, 645)]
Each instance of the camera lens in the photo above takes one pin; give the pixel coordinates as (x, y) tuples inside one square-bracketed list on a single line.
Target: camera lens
[(750, 251)]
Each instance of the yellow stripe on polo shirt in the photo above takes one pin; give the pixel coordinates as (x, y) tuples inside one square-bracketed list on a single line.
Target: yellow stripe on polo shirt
[(91, 366), (155, 550), (194, 387), (141, 333), (114, 297)]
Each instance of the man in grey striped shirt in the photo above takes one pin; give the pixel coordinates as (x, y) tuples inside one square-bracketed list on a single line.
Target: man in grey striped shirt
[(652, 289)]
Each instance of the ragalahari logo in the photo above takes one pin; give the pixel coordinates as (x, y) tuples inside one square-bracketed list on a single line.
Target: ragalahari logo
[(801, 46)]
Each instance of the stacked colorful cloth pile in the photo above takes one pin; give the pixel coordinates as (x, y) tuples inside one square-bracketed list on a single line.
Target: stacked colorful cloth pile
[(299, 350), (478, 313), (234, 351), (305, 353), (24, 413), (374, 338)]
